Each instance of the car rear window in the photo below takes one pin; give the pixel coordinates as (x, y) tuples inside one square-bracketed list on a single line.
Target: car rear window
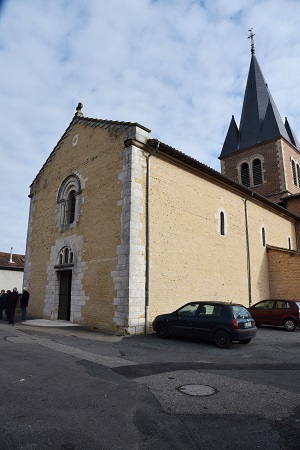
[(240, 312), (281, 304), (210, 310)]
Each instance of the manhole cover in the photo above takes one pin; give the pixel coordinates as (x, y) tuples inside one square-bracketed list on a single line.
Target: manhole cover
[(198, 390)]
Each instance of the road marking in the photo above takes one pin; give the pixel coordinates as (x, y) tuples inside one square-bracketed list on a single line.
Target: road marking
[(108, 361)]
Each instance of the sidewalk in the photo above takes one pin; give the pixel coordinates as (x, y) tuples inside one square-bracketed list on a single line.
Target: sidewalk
[(41, 322)]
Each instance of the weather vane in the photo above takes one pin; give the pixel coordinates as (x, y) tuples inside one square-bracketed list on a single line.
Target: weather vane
[(252, 41)]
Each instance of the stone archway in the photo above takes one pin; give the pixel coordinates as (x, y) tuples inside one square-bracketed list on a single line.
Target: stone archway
[(65, 257)]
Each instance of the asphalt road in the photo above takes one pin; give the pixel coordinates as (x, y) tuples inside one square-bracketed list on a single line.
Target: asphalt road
[(71, 389)]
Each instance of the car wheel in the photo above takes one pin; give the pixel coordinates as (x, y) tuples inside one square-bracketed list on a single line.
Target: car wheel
[(245, 341), (222, 339), (290, 325), (162, 331)]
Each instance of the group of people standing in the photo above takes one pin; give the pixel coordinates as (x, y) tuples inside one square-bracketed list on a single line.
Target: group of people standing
[(8, 304)]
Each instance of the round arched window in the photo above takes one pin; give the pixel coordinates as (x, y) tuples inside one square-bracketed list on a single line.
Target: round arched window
[(69, 201)]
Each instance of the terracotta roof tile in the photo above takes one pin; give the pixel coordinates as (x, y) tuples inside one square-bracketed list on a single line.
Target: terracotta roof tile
[(17, 261)]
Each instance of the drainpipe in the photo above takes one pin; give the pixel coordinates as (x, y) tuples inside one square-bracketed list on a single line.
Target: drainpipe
[(297, 235), (148, 239), (248, 253)]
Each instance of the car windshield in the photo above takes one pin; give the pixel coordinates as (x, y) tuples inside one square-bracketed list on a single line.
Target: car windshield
[(188, 310), (240, 312), (266, 304), (298, 304)]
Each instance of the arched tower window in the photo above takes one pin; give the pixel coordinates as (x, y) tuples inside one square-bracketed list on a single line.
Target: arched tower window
[(294, 173), (245, 175), (257, 172), (69, 201)]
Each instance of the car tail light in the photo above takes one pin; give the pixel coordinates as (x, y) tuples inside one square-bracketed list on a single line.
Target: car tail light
[(235, 323)]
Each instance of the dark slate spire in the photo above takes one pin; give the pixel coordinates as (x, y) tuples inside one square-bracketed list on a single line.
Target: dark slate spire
[(260, 119), (256, 125), (232, 138), (291, 134), (254, 107), (272, 125)]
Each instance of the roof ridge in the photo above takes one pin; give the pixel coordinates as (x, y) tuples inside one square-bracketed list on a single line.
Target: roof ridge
[(79, 118), (192, 162)]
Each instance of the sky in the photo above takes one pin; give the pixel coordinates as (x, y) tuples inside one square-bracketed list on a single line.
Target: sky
[(178, 67)]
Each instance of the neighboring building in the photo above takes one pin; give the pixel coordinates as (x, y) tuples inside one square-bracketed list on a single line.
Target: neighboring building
[(11, 271), (123, 227)]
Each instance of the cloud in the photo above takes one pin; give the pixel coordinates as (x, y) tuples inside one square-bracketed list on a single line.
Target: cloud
[(178, 68)]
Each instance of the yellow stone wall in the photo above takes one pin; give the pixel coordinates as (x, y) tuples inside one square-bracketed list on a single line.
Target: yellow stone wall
[(190, 260), (96, 159), (284, 273)]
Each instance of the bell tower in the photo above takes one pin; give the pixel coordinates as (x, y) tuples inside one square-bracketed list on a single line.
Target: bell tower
[(263, 153)]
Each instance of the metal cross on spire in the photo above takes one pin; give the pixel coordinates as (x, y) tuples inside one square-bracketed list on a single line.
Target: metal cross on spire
[(252, 41)]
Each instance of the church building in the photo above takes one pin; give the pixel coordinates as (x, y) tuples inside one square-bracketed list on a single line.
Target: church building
[(123, 227)]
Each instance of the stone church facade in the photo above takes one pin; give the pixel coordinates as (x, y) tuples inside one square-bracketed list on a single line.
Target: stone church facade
[(123, 227)]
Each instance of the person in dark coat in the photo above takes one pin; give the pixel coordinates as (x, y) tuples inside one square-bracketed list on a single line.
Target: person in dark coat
[(8, 303), (11, 302), (2, 303), (24, 303)]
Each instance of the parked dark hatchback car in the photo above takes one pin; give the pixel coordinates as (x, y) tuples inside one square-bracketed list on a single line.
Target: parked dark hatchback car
[(221, 322), (284, 313)]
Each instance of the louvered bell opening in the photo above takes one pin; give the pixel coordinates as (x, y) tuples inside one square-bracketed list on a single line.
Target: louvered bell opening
[(257, 172), (294, 173), (245, 175)]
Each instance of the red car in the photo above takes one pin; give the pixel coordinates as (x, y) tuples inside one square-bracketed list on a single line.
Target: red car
[(277, 312)]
